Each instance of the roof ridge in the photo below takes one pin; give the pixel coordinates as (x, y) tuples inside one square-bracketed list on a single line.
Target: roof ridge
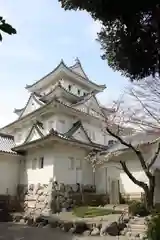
[(78, 63), (60, 86), (62, 63)]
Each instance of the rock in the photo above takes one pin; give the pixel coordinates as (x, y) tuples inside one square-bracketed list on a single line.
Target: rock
[(22, 221), (67, 226), (31, 187), (113, 229), (128, 234), (46, 226), (40, 225), (103, 229), (38, 219), (95, 232), (121, 226), (87, 233), (98, 225), (123, 232), (142, 236), (80, 227), (17, 217), (72, 230), (30, 221), (40, 192), (126, 219)]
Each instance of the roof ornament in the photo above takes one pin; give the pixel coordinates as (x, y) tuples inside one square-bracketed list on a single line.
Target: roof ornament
[(77, 60), (62, 62)]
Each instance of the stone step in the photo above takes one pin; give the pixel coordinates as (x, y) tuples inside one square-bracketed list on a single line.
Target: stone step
[(137, 222), (135, 235), (136, 231), (136, 226)]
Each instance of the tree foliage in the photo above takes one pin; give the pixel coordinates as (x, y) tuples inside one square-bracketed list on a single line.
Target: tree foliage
[(130, 36), (6, 28)]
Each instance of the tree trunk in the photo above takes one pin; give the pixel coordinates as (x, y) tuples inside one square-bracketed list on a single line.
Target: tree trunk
[(94, 177), (149, 194)]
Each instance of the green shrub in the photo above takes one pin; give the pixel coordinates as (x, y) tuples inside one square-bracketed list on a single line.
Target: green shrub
[(153, 231), (138, 208)]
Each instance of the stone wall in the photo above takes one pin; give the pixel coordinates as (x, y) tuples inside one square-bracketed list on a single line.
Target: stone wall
[(51, 198)]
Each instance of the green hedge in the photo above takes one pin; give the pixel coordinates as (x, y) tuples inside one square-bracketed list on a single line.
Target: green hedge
[(153, 231), (138, 208)]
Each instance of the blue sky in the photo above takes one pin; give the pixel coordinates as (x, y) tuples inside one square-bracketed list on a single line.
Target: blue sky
[(45, 35)]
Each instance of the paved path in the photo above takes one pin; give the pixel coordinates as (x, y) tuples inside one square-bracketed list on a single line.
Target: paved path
[(11, 231)]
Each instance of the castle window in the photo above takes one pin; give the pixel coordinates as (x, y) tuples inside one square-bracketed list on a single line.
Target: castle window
[(41, 162), (78, 91), (69, 87), (110, 142), (71, 163), (78, 164), (34, 163)]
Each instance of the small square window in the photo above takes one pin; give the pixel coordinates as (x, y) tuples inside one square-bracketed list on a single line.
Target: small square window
[(110, 142), (69, 87), (41, 162), (34, 163), (62, 121), (78, 164)]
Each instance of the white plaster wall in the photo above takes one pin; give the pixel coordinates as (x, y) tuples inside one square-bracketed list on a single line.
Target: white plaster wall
[(34, 176), (31, 106), (9, 174), (126, 185), (47, 123), (21, 133), (57, 125), (62, 171), (75, 87), (100, 180), (65, 82), (95, 132)]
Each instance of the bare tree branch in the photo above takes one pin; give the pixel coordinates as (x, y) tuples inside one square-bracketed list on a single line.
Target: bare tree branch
[(129, 174), (145, 97), (154, 157), (137, 152), (145, 107)]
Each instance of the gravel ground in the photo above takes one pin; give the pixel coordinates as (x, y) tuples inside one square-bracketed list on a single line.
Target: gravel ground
[(11, 231)]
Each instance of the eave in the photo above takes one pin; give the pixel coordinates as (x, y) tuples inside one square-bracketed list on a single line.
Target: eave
[(63, 68), (64, 92), (35, 99), (46, 107), (54, 136)]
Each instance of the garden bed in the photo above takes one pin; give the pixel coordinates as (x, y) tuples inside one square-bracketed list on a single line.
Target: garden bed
[(89, 212)]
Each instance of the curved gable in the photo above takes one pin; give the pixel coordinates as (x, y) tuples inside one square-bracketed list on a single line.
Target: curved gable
[(33, 104)]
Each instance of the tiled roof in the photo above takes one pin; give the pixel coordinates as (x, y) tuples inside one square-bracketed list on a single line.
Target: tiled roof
[(64, 136), (6, 143), (73, 129), (70, 70)]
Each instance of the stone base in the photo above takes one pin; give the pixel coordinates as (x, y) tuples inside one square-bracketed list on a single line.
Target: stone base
[(54, 197)]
